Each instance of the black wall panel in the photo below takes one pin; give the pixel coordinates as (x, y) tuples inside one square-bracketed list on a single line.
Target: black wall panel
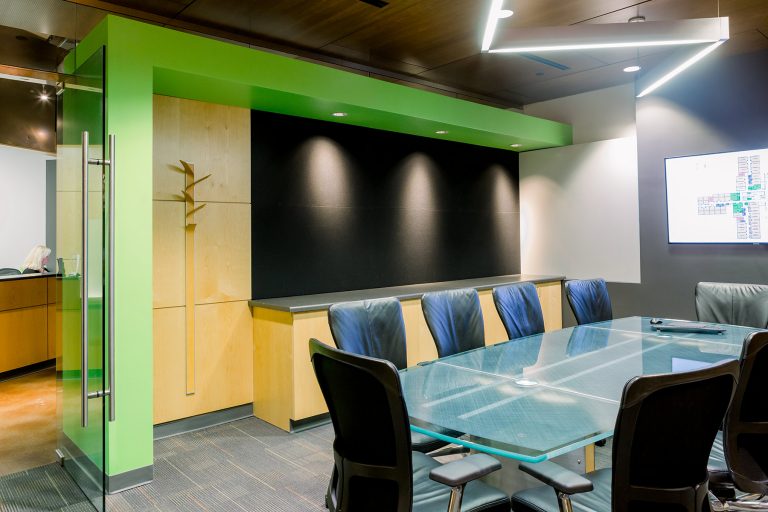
[(339, 207)]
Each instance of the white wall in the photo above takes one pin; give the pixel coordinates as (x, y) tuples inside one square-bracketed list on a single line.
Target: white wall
[(579, 211), (596, 115), (22, 203), (579, 204)]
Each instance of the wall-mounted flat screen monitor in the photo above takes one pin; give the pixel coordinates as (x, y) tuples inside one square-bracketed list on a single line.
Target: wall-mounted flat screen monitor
[(718, 198)]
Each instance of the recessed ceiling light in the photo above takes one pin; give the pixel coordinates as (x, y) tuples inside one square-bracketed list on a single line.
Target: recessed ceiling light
[(515, 145), (441, 132), (632, 69), (505, 13), (44, 96), (339, 114)]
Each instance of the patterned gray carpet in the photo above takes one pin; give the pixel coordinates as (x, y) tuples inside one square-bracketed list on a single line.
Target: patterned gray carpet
[(41, 489), (243, 466), (246, 465)]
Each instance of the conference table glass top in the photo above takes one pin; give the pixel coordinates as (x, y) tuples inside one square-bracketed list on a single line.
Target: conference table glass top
[(538, 397)]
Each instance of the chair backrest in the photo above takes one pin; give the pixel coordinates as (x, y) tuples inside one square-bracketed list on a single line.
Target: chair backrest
[(664, 431), (455, 320), (589, 300), (733, 303), (9, 271), (519, 309), (372, 447), (373, 328), (745, 431)]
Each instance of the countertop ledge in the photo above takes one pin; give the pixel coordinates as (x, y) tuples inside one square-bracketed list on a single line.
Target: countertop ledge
[(18, 277), (322, 301)]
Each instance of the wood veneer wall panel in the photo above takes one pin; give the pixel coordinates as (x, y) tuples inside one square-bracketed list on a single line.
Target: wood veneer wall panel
[(308, 400), (215, 138), (168, 254), (169, 370), (24, 340), (494, 329), (223, 253), (273, 385), (551, 297)]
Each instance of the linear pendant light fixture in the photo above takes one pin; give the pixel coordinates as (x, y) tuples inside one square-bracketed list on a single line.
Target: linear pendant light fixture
[(711, 32)]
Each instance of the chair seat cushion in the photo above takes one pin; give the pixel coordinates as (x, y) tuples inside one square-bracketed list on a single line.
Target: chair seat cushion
[(425, 444), (543, 499), (719, 476), (430, 496)]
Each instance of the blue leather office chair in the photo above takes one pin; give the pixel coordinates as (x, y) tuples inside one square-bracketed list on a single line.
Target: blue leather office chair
[(455, 320), (684, 410), (589, 300), (519, 309), (374, 467), (375, 328), (743, 443), (733, 303)]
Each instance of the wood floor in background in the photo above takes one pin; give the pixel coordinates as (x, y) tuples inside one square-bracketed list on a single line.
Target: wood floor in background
[(27, 421)]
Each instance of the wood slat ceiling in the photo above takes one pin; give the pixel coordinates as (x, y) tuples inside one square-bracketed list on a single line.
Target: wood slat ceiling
[(435, 43)]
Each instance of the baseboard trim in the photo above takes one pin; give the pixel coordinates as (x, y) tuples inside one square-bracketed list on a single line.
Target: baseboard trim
[(26, 370), (210, 419), (128, 480), (311, 422)]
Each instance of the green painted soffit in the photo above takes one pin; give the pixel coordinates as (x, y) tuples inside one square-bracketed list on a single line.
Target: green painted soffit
[(195, 67)]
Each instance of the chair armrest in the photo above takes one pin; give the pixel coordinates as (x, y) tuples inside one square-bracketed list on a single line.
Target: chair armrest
[(556, 476), (459, 472)]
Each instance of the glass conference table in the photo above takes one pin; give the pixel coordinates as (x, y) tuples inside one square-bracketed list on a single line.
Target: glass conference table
[(542, 396)]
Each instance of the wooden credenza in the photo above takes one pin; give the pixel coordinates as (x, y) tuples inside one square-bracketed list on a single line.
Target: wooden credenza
[(285, 391), (27, 320)]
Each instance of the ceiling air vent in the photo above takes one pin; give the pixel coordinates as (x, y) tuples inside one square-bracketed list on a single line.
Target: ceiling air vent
[(376, 3)]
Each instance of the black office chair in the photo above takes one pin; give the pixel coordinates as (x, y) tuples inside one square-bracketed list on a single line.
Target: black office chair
[(365, 401), (589, 300), (733, 303), (455, 320), (743, 443), (375, 328), (682, 409), (519, 309), (9, 271)]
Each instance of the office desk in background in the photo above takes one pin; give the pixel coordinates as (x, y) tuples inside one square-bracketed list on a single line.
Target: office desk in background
[(542, 396), (27, 320)]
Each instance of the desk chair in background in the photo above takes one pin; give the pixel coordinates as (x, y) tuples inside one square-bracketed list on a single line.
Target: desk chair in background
[(589, 300), (740, 454), (375, 328), (455, 320), (377, 471), (9, 271), (519, 309), (733, 303), (664, 431)]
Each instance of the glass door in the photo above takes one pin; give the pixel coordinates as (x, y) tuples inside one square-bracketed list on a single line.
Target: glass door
[(83, 232)]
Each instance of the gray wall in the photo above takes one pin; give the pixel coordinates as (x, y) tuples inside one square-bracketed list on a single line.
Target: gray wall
[(721, 104)]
